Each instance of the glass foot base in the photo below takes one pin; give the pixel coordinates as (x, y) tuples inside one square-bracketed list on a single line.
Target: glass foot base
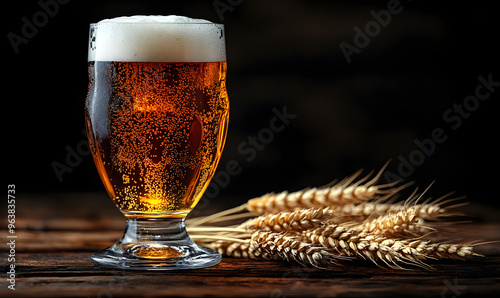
[(156, 257), (156, 245)]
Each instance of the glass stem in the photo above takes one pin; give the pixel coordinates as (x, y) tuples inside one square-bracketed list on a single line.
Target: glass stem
[(160, 231)]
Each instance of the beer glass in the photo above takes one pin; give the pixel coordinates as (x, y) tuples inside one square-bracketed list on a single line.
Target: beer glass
[(156, 117)]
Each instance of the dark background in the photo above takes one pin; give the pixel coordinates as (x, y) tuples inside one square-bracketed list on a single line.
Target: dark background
[(280, 53)]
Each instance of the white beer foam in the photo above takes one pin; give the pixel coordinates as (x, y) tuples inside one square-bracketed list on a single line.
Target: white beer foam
[(157, 39)]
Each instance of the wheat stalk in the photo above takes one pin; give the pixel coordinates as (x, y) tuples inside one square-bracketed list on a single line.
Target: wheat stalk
[(299, 220), (439, 250), (277, 246), (351, 243), (391, 251), (401, 224), (271, 245), (345, 192), (233, 249)]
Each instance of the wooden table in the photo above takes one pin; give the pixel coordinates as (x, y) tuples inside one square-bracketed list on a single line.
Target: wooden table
[(57, 233)]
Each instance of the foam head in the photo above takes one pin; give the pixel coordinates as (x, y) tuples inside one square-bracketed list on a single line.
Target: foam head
[(156, 39)]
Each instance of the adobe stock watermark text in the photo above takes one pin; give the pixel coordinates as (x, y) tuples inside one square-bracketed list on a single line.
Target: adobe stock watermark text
[(364, 35), (453, 119), (11, 237), (32, 25)]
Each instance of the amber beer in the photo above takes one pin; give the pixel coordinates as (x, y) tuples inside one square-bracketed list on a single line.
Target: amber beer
[(162, 135), (156, 129)]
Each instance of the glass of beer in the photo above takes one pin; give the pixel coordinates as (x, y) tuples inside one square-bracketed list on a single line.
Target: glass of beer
[(156, 117)]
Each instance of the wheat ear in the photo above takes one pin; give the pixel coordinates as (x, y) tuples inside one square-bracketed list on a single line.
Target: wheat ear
[(401, 224), (233, 249), (353, 243), (426, 249), (362, 211), (271, 245), (297, 221), (345, 192)]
